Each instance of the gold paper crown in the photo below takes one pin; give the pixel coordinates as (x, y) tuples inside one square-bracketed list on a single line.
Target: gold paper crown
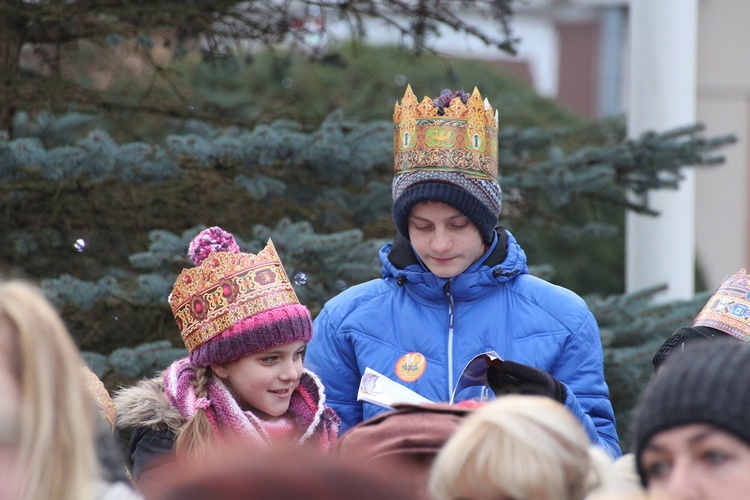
[(728, 309), (463, 140), (227, 288), (103, 400)]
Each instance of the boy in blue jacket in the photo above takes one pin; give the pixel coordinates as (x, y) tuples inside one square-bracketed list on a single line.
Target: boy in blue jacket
[(454, 285)]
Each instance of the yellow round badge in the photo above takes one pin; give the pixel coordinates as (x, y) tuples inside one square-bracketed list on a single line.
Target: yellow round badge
[(410, 366)]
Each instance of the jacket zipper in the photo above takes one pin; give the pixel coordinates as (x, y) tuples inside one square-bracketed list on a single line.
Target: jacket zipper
[(447, 290)]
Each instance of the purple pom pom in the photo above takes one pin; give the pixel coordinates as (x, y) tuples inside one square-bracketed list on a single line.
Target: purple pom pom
[(208, 241), (445, 98)]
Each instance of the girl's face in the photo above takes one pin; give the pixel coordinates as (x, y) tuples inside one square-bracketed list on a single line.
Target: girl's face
[(444, 238), (696, 461), (263, 382)]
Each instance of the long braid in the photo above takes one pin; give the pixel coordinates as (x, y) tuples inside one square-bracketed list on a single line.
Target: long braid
[(197, 432)]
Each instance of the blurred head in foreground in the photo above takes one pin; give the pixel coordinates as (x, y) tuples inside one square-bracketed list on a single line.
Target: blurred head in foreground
[(47, 416), (518, 446), (280, 473)]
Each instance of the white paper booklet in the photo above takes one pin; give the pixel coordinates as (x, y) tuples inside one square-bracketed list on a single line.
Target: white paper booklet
[(377, 389)]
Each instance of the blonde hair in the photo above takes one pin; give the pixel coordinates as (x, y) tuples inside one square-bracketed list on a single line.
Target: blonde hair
[(196, 436), (517, 447), (56, 454)]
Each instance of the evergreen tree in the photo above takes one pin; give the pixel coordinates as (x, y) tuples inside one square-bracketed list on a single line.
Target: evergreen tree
[(149, 37)]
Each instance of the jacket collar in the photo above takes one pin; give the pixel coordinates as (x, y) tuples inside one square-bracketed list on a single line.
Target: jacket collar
[(402, 255)]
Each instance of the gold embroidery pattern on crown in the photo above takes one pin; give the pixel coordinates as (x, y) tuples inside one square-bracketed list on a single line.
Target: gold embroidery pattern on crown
[(225, 289), (463, 140), (101, 395), (728, 309)]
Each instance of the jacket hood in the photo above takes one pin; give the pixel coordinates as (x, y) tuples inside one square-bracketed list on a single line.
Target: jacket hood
[(146, 405)]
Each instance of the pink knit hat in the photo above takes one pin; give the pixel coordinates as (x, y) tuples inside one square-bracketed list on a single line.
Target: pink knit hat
[(233, 304)]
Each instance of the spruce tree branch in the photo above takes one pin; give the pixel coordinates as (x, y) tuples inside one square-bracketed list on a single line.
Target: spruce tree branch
[(49, 92), (418, 18), (161, 71), (630, 169)]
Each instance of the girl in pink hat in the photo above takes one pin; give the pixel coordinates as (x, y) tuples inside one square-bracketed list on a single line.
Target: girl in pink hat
[(243, 380)]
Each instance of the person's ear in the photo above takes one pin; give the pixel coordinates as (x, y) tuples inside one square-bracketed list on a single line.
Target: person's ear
[(220, 370)]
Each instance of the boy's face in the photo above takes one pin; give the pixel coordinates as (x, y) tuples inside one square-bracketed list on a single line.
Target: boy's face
[(263, 382), (444, 238)]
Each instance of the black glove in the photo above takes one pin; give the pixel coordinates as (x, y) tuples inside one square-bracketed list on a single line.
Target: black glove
[(514, 378)]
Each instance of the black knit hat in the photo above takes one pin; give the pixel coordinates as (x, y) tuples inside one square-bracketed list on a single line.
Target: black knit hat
[(706, 384)]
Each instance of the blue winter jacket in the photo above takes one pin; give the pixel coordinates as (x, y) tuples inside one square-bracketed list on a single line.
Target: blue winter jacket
[(495, 306)]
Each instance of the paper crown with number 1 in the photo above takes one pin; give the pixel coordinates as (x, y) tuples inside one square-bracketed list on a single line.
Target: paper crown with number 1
[(463, 139)]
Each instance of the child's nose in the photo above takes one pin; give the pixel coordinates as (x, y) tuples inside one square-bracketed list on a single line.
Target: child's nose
[(290, 370), (441, 241)]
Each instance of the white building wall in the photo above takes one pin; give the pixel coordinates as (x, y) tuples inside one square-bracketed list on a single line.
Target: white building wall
[(722, 201)]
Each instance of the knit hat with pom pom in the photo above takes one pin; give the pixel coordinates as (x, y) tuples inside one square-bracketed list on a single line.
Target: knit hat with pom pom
[(234, 304)]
